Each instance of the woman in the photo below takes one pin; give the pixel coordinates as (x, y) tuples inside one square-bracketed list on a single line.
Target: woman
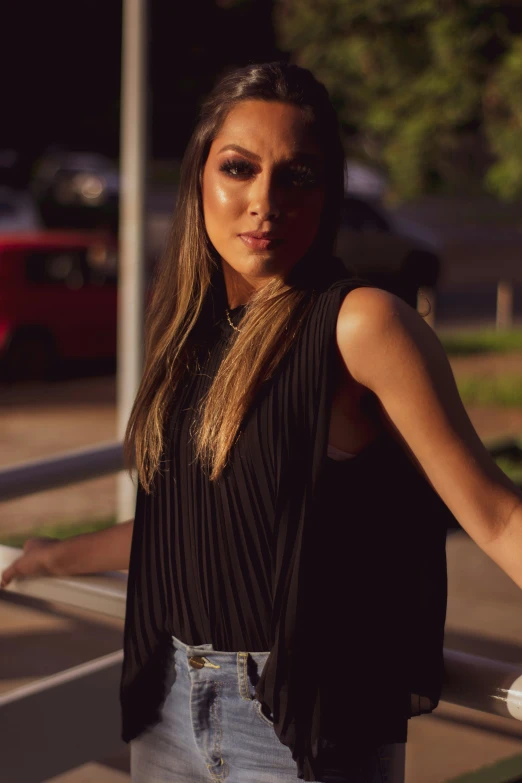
[(298, 437)]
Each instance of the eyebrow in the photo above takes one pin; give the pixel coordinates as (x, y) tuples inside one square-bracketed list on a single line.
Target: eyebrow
[(242, 150), (252, 155)]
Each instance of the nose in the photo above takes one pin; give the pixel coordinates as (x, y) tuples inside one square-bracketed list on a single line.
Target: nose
[(263, 201)]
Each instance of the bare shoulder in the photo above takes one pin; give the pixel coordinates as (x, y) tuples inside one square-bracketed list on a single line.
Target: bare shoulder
[(373, 307), (373, 323)]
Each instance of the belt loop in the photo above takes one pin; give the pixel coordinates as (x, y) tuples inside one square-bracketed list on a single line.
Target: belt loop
[(242, 676)]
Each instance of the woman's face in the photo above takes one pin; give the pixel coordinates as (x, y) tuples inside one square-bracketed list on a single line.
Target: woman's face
[(263, 193)]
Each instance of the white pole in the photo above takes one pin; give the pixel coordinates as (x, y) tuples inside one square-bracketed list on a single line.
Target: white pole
[(133, 154)]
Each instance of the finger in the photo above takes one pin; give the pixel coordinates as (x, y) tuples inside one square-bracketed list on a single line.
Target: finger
[(21, 567), (8, 575)]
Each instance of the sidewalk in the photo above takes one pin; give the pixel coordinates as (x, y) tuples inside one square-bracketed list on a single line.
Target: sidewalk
[(36, 643)]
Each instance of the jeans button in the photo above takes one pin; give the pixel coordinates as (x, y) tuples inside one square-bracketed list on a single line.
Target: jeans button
[(196, 661)]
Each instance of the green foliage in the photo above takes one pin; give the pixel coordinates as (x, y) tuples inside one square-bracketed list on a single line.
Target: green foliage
[(481, 341), (504, 123), (503, 391), (414, 80)]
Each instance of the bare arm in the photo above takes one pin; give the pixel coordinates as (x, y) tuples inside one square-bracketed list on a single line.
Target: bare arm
[(105, 550), (389, 349)]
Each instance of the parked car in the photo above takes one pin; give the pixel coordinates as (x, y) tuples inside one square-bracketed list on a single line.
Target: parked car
[(18, 212), (58, 300), (364, 180), (390, 255), (77, 189)]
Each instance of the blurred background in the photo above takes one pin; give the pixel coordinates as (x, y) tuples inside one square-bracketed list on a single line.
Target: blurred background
[(429, 96)]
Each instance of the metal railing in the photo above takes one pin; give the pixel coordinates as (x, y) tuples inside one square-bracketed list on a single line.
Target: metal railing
[(69, 718), (72, 717), (38, 475)]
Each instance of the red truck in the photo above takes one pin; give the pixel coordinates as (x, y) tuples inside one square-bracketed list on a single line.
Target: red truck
[(58, 300)]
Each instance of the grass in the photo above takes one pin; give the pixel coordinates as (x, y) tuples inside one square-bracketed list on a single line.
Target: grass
[(512, 469), (506, 771), (62, 530), (502, 391), (481, 341)]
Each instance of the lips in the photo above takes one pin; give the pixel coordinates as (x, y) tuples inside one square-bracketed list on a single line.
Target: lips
[(260, 240)]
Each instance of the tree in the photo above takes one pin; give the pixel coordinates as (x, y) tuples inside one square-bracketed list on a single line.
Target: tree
[(419, 84)]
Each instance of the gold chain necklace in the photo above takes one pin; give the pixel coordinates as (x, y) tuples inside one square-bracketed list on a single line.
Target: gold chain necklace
[(230, 321)]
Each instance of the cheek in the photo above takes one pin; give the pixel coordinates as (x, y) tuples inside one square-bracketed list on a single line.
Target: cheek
[(218, 199)]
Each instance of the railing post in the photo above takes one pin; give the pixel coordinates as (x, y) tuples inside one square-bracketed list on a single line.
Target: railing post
[(504, 305), (426, 305), (133, 155)]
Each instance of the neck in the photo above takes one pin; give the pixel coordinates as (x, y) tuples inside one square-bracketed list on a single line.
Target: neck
[(239, 290)]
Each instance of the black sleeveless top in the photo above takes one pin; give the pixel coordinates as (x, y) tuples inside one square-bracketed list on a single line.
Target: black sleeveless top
[(336, 568)]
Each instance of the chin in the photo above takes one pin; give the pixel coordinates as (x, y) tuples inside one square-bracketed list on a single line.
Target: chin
[(259, 264), (264, 267)]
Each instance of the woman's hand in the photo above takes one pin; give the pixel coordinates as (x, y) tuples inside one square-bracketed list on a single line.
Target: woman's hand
[(36, 560), (88, 553)]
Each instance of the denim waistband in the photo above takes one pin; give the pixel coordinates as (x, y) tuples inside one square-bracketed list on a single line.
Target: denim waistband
[(228, 660), (195, 649), (241, 669)]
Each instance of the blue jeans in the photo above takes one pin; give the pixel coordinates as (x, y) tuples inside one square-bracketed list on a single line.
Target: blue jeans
[(213, 729)]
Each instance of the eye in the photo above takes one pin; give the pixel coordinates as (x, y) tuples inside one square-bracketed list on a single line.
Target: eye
[(300, 176), (237, 169)]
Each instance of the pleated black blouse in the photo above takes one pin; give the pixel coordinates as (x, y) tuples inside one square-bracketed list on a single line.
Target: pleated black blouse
[(336, 568)]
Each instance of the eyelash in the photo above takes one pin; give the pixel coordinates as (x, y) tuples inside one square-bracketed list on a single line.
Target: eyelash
[(240, 167), (299, 176)]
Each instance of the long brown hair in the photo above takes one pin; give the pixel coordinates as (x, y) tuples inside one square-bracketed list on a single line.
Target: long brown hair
[(190, 264)]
